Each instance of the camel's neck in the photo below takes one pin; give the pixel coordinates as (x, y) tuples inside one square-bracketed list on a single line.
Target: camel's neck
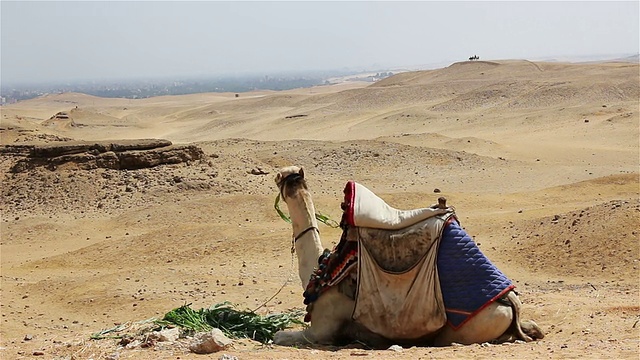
[(308, 246)]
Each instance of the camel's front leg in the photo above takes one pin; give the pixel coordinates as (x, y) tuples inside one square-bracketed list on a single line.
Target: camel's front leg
[(329, 315), (291, 338), (321, 332), (313, 335)]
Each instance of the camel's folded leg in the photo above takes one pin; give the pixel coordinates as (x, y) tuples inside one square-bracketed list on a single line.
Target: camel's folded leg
[(487, 325), (526, 330), (319, 333), (291, 338), (309, 337), (316, 334), (330, 315)]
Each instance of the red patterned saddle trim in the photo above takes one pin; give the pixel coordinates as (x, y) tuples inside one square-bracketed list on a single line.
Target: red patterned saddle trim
[(347, 205), (333, 267)]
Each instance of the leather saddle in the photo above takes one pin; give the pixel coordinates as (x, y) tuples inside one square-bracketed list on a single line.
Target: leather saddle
[(396, 239), (397, 273), (363, 208)]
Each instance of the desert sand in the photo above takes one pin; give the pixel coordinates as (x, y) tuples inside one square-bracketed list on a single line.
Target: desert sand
[(540, 160)]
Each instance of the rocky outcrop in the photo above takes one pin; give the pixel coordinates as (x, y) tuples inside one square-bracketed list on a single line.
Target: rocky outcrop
[(120, 155)]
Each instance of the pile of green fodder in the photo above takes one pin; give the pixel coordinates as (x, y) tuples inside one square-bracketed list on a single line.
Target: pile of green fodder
[(232, 322)]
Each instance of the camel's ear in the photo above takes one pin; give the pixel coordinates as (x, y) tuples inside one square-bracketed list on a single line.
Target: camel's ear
[(278, 178), (301, 172)]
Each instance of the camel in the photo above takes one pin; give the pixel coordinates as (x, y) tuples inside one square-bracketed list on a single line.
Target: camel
[(331, 313)]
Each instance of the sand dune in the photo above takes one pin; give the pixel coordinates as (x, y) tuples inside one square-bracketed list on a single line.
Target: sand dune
[(539, 159)]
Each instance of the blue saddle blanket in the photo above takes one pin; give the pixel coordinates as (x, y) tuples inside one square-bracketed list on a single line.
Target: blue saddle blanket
[(468, 280)]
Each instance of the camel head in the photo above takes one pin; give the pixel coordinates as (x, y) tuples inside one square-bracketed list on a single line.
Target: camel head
[(290, 179)]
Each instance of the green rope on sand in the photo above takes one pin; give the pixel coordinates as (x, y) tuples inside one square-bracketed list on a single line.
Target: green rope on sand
[(277, 207), (326, 220), (319, 216)]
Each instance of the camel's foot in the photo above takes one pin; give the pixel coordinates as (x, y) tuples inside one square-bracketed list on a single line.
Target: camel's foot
[(532, 329), (291, 338)]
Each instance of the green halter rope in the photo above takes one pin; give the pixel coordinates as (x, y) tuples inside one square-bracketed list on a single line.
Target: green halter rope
[(319, 216)]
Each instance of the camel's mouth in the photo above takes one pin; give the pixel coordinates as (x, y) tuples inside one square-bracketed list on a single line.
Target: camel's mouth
[(287, 183)]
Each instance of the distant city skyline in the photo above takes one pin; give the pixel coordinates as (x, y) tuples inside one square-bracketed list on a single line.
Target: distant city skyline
[(56, 41)]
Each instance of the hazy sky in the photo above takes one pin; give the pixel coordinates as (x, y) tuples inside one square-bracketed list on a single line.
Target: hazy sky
[(61, 41)]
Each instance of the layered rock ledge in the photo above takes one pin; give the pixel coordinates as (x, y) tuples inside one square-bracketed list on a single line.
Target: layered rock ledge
[(119, 155)]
